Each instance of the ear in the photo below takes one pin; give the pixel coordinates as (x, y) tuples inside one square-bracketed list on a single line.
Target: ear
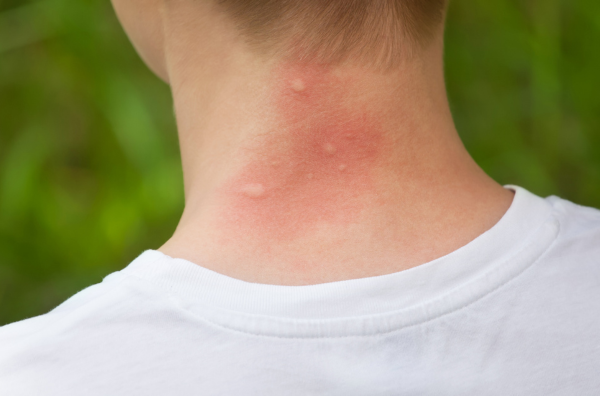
[(142, 21)]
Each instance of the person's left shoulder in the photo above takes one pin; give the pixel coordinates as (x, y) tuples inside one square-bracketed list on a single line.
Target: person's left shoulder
[(20, 330)]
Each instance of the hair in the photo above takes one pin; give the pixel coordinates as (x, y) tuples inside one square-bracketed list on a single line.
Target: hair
[(378, 32)]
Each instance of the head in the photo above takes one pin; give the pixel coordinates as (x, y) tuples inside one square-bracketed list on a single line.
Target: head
[(374, 33)]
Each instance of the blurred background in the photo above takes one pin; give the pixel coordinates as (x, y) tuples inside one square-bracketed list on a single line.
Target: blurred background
[(90, 173)]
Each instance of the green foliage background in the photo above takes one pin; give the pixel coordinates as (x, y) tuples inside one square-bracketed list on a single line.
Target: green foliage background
[(90, 173)]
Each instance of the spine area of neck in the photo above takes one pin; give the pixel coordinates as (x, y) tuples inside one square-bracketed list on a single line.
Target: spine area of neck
[(308, 165), (316, 166)]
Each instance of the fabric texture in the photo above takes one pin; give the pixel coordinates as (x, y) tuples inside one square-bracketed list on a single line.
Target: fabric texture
[(515, 311)]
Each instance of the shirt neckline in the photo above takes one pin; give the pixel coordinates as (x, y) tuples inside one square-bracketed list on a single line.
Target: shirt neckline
[(367, 305)]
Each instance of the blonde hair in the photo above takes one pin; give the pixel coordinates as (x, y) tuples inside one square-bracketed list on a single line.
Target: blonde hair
[(378, 32)]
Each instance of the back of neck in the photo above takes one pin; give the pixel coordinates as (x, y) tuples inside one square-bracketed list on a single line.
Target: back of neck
[(300, 173)]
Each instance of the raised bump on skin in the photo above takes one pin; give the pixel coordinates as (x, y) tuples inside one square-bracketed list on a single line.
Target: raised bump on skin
[(342, 167), (329, 148), (298, 85), (253, 190)]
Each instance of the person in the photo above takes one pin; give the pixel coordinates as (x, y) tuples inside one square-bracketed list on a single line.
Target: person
[(337, 237)]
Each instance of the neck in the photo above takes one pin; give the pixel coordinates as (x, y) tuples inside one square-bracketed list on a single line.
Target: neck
[(300, 173)]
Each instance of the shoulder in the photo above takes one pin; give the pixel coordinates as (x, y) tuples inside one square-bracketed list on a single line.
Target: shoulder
[(579, 227), (31, 326), (573, 259), (31, 348)]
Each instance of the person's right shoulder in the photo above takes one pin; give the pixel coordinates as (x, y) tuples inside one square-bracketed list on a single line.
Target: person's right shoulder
[(576, 221), (578, 243)]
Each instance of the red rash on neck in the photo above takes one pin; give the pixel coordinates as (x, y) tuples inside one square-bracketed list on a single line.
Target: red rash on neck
[(315, 167)]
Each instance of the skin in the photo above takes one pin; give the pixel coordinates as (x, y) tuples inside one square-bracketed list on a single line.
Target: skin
[(319, 171), (298, 172)]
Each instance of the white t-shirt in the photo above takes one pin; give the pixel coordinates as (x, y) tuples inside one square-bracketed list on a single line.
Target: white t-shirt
[(515, 311)]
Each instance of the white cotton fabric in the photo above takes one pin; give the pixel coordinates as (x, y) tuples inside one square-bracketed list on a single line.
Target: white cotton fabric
[(515, 311)]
